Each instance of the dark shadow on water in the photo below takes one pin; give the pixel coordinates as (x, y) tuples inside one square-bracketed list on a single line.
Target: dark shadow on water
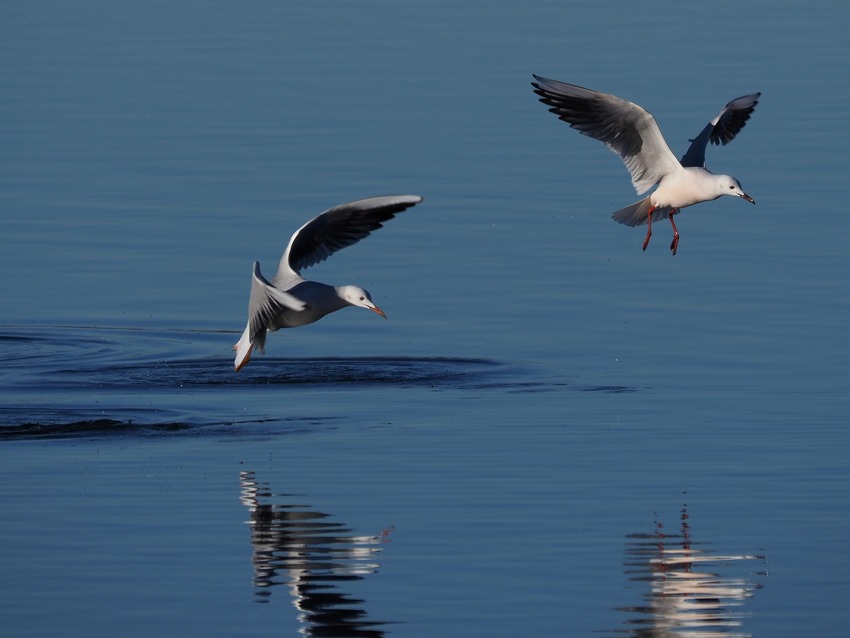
[(93, 427), (65, 381), (336, 371), (438, 373), (95, 357), (299, 552), (613, 389), (688, 590), (68, 357), (405, 372), (62, 425)]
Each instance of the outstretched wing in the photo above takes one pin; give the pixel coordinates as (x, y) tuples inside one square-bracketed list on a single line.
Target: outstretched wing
[(722, 129), (338, 228), (626, 128)]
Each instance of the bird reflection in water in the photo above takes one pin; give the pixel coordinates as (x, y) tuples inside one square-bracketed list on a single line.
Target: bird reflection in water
[(294, 546), (692, 592)]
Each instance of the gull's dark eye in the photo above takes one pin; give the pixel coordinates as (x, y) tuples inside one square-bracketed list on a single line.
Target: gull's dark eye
[(362, 298)]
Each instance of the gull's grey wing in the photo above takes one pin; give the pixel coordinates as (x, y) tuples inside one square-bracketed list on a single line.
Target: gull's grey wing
[(722, 129), (265, 303), (626, 128), (337, 228)]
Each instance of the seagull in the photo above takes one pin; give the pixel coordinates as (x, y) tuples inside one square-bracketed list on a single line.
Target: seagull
[(632, 133), (289, 301)]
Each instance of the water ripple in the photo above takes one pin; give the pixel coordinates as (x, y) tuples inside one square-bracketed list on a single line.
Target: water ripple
[(401, 371), (62, 381)]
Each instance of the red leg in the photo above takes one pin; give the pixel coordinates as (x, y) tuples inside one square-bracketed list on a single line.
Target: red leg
[(675, 243), (648, 227)]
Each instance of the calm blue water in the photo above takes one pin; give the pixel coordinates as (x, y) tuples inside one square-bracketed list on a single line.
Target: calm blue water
[(553, 434)]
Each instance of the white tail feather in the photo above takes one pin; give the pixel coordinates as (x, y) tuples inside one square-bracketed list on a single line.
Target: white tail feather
[(637, 213)]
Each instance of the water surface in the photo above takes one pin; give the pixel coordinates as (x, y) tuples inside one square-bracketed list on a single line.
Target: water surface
[(499, 456)]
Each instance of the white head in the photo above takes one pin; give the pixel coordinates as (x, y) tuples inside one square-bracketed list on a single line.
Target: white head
[(730, 186), (356, 296)]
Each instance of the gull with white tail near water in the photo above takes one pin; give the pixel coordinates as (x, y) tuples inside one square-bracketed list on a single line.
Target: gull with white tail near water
[(289, 301), (632, 133)]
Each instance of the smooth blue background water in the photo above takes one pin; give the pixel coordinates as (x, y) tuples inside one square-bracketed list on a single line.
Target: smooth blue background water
[(542, 390)]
